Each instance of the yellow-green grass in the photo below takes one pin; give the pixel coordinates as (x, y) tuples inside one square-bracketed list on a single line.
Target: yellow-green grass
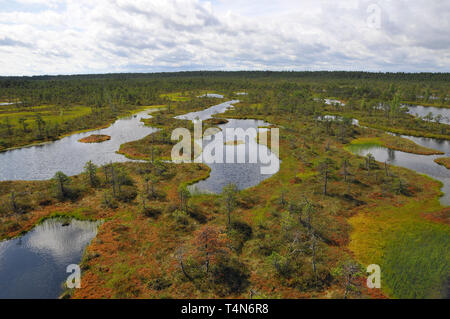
[(18, 109), (140, 109), (306, 175), (379, 228), (444, 161), (412, 251), (402, 126), (395, 143), (148, 107), (48, 114), (186, 96), (67, 115), (176, 97), (54, 114), (130, 241), (405, 131), (439, 105)]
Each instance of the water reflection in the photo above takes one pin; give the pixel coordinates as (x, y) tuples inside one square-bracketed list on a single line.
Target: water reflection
[(421, 163), (209, 112), (423, 111), (34, 265), (244, 175), (213, 95), (68, 155)]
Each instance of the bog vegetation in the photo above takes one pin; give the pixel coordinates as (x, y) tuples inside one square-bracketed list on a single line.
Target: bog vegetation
[(309, 231)]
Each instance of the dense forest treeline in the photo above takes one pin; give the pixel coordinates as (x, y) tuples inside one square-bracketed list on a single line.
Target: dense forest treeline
[(45, 107), (255, 74), (140, 89)]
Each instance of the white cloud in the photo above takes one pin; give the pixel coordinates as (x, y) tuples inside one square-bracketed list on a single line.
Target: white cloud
[(81, 36)]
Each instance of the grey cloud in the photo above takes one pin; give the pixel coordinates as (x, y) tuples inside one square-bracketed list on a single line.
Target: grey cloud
[(186, 35), (14, 43)]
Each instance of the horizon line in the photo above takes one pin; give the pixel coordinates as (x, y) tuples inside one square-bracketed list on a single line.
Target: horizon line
[(224, 71)]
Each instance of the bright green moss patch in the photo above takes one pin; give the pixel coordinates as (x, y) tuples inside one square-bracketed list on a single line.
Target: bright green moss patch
[(176, 97), (391, 142), (306, 175), (416, 262), (47, 113), (413, 252)]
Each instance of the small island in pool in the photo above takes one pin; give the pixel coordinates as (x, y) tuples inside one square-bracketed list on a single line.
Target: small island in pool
[(95, 138)]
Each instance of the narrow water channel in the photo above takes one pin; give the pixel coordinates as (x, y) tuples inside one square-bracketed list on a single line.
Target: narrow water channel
[(420, 163), (424, 164), (229, 170)]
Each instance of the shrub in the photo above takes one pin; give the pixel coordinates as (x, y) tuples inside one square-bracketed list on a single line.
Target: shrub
[(181, 217), (159, 284), (243, 228), (230, 276), (170, 208), (239, 233), (108, 201), (153, 210), (400, 186), (127, 194), (43, 198), (247, 200), (281, 264), (307, 280), (73, 192), (196, 213)]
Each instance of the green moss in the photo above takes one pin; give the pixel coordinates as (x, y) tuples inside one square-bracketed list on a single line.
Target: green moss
[(175, 97), (416, 262), (48, 114), (78, 214)]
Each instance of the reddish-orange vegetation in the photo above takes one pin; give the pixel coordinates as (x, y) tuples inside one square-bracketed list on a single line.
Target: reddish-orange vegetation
[(175, 252), (444, 161), (442, 216)]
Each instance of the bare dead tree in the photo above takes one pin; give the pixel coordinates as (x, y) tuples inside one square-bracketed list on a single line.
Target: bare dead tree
[(350, 269), (180, 257)]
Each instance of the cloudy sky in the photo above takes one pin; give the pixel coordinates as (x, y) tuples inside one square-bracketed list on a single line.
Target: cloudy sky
[(85, 36)]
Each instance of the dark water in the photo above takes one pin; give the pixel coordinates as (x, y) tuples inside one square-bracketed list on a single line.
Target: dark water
[(336, 118), (423, 111), (332, 101), (421, 163), (213, 95), (34, 265), (209, 112), (244, 175), (68, 155)]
